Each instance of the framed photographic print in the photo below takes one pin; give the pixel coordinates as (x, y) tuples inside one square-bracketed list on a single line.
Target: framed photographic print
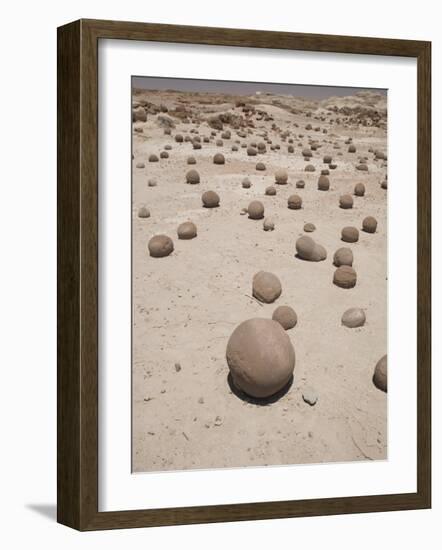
[(243, 240)]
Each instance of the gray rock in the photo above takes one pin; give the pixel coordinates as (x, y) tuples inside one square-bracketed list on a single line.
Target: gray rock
[(309, 395)]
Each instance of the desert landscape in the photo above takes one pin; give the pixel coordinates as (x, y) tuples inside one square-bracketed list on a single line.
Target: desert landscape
[(259, 278)]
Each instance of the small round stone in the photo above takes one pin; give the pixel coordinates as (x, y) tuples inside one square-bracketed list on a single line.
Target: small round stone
[(359, 190), (261, 357), (210, 199), (281, 177), (192, 177), (346, 201), (345, 277), (309, 168), (246, 183), (380, 374), (285, 316), (160, 246), (294, 202), (143, 212), (153, 158), (309, 227), (369, 224), (353, 317), (271, 191), (219, 159), (256, 210), (350, 234), (251, 151), (266, 287), (308, 249), (140, 165), (300, 184), (343, 256), (260, 166), (268, 224), (191, 160), (164, 155), (323, 183), (187, 230)]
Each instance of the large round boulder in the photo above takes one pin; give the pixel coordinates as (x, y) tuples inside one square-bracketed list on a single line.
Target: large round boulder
[(343, 256), (369, 224), (266, 287), (353, 317), (294, 202), (308, 249), (187, 230), (345, 277), (350, 234), (192, 177), (261, 357), (160, 246), (210, 199), (380, 374), (255, 210), (219, 159)]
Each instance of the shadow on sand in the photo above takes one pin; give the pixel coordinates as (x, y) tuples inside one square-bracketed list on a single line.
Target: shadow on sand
[(263, 401)]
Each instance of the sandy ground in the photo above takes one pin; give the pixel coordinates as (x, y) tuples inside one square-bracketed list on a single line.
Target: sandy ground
[(185, 306)]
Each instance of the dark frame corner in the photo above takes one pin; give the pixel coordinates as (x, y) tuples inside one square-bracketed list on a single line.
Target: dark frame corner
[(77, 356)]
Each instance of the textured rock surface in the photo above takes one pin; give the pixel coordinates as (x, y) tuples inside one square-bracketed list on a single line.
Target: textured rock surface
[(345, 277), (353, 317), (380, 374), (285, 316), (160, 246), (266, 287), (261, 357)]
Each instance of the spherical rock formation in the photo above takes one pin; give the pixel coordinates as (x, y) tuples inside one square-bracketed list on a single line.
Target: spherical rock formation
[(346, 201), (246, 183), (179, 138), (285, 316), (309, 227), (152, 182), (362, 167), (153, 158), (352, 149), (309, 168), (160, 246), (261, 357), (300, 184), (345, 277), (369, 224), (266, 287), (327, 159), (191, 160), (359, 190), (353, 317), (268, 224), (192, 177), (143, 212), (384, 184), (251, 151), (343, 256), (260, 166), (187, 230), (294, 202), (140, 165), (380, 374), (210, 199), (323, 183), (308, 249), (271, 191), (281, 177), (256, 210), (219, 159), (350, 234)]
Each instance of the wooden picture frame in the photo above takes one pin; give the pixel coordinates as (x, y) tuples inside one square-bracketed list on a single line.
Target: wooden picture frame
[(77, 461)]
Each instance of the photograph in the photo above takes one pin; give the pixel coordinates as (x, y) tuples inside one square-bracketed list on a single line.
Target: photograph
[(259, 274)]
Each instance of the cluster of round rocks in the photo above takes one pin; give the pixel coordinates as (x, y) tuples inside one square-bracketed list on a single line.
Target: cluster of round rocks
[(259, 353)]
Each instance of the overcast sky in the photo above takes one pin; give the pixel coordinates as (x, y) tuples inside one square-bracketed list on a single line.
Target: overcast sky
[(244, 88)]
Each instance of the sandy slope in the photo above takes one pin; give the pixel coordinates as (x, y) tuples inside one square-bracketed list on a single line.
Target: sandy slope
[(186, 306)]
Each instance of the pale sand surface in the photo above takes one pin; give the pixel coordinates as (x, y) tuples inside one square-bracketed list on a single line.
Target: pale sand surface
[(185, 306)]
